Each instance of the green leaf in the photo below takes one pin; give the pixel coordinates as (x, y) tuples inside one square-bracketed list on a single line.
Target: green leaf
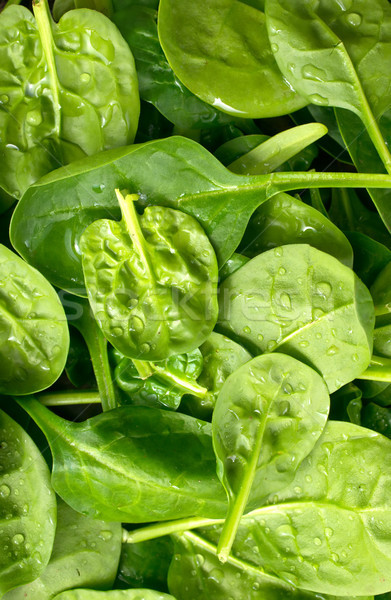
[(66, 90), (370, 256), (34, 331), (145, 564), (54, 212), (333, 538), (221, 52), (381, 291), (133, 464), (268, 417), (151, 281), (157, 82), (114, 595), (284, 219), (305, 303), (27, 507), (327, 54), (85, 553)]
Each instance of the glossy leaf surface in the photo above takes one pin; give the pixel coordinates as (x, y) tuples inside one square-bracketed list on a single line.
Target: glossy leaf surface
[(145, 564), (157, 82), (34, 333), (268, 417), (54, 212), (85, 553), (133, 464), (302, 302), (151, 281), (315, 523), (284, 219), (66, 90), (141, 594), (27, 507), (221, 52)]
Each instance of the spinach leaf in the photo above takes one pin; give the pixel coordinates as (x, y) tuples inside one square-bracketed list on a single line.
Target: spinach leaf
[(157, 82), (151, 281), (381, 291), (78, 366), (315, 522), (222, 357), (233, 264), (286, 220), (54, 212), (145, 565), (133, 464), (27, 507), (221, 52), (377, 418), (85, 553), (34, 332), (66, 90), (305, 303), (197, 573), (114, 595), (346, 404), (167, 382), (268, 417), (327, 53), (370, 256)]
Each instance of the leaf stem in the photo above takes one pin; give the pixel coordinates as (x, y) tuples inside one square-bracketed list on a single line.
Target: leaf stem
[(144, 368), (375, 134), (69, 398), (186, 385), (157, 530), (378, 370), (44, 24)]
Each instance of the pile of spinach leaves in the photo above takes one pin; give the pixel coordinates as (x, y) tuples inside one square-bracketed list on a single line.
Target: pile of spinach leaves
[(195, 300)]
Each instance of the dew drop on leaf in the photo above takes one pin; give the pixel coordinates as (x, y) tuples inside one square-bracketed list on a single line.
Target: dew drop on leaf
[(5, 491)]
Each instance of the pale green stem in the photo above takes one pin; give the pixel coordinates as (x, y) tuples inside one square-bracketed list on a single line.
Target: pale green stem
[(143, 367), (187, 386), (157, 530), (44, 24), (375, 134), (237, 508), (69, 398), (378, 370)]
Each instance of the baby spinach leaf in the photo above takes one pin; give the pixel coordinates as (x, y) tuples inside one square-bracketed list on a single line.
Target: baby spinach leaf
[(197, 573), (327, 53), (151, 281), (27, 507), (284, 219), (66, 90), (377, 418), (315, 522), (305, 303), (167, 383), (381, 291), (34, 331), (114, 595), (268, 417), (133, 464), (78, 366), (222, 357), (269, 155), (346, 404), (145, 564), (370, 256), (233, 264), (54, 212), (157, 82), (221, 52), (85, 553)]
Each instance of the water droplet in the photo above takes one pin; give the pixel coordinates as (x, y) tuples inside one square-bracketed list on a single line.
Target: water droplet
[(308, 478), (145, 348), (355, 357), (300, 559), (18, 539), (328, 531), (199, 559), (34, 118), (285, 301), (318, 100), (136, 324), (217, 575), (4, 491), (3, 445), (304, 344), (274, 48), (323, 289), (318, 336), (106, 535), (85, 77), (271, 345), (260, 337), (313, 73), (334, 557), (284, 407), (297, 490), (4, 99), (117, 331), (332, 350), (246, 329), (354, 19), (278, 251), (98, 189), (287, 388), (281, 271), (317, 541)]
